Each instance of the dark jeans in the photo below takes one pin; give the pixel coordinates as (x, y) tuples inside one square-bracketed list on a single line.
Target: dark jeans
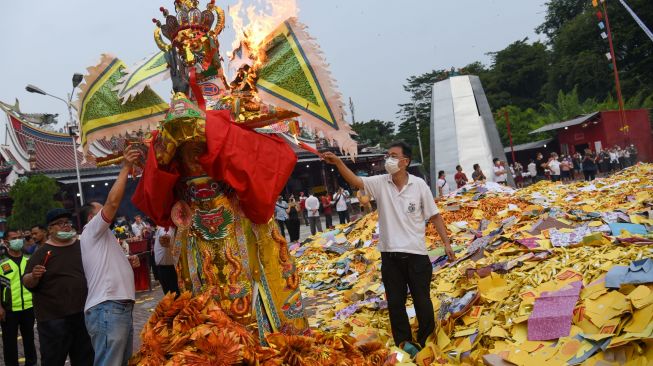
[(64, 337), (329, 221), (282, 227), (590, 175), (293, 229), (555, 178), (401, 272), (168, 278), (13, 321), (343, 216), (305, 216)]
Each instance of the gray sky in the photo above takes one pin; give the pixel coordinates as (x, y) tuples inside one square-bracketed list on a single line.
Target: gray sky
[(372, 46)]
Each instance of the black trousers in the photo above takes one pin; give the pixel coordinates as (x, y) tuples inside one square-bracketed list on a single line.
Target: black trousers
[(401, 272), (13, 321), (60, 338), (168, 279), (293, 229), (329, 221), (343, 216), (282, 227), (590, 175)]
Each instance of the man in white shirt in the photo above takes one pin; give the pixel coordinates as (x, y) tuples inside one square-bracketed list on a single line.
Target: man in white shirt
[(313, 212), (532, 170), (340, 198), (139, 227), (109, 276), (165, 260), (405, 204), (554, 167), (499, 169)]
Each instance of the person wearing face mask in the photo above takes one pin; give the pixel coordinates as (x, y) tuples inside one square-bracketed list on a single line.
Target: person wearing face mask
[(16, 311), (405, 204), (55, 276)]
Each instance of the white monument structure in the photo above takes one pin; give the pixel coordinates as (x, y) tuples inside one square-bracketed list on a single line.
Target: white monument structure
[(463, 131)]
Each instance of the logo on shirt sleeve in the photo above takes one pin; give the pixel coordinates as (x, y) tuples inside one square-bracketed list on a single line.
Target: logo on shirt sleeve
[(6, 268)]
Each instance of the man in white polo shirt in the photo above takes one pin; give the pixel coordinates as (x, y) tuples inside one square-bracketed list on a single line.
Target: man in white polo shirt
[(405, 203), (109, 276)]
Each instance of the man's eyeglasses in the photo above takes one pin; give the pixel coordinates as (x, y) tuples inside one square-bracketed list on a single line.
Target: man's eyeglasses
[(62, 223), (386, 156)]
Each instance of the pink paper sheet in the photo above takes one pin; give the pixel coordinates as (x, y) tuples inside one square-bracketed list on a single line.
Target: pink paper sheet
[(552, 313)]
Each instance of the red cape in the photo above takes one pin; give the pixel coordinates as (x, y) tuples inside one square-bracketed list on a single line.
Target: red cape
[(255, 165)]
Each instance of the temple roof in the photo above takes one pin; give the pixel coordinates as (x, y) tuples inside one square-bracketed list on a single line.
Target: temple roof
[(53, 150)]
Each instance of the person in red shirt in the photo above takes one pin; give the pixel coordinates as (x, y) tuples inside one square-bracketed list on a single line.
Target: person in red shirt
[(327, 210), (460, 177)]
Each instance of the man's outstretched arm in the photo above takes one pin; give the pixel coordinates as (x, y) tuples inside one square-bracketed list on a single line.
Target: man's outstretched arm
[(350, 177)]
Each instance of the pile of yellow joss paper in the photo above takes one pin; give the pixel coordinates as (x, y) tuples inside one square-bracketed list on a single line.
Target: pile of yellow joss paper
[(546, 247)]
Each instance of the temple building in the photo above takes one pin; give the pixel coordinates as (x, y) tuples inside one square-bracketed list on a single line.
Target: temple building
[(30, 148)]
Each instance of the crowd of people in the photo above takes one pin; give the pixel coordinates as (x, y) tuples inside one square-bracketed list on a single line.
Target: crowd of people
[(294, 210), (557, 168), (77, 285), (571, 167)]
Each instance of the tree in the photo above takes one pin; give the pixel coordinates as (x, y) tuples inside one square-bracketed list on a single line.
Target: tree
[(578, 53), (567, 106), (374, 132), (32, 198), (420, 88), (522, 122), (517, 75), (559, 12)]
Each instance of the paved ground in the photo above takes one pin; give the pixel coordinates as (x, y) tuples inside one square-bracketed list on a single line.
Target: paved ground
[(147, 300)]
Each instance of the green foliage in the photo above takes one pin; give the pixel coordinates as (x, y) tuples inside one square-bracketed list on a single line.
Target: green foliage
[(418, 110), (567, 106), (374, 132), (517, 75), (558, 13), (32, 198), (522, 122)]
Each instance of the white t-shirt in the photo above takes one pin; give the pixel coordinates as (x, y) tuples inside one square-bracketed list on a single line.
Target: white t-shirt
[(340, 200), (163, 256), (554, 166), (109, 276), (137, 229), (499, 173), (312, 206), (442, 184), (402, 215), (532, 170)]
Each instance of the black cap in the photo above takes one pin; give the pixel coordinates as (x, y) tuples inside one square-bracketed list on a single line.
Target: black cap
[(57, 213)]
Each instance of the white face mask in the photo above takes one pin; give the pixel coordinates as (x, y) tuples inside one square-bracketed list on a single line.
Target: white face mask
[(65, 235), (391, 165)]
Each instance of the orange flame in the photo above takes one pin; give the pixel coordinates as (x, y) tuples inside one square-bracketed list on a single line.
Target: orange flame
[(262, 19)]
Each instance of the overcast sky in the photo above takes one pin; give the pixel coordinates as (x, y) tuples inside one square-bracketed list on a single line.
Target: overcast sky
[(372, 45)]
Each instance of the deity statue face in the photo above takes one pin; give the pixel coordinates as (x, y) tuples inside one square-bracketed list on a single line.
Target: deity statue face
[(189, 154)]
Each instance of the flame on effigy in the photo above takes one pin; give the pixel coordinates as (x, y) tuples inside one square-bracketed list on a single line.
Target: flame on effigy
[(255, 22)]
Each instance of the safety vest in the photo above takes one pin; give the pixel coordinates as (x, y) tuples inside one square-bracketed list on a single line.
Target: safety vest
[(14, 294)]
